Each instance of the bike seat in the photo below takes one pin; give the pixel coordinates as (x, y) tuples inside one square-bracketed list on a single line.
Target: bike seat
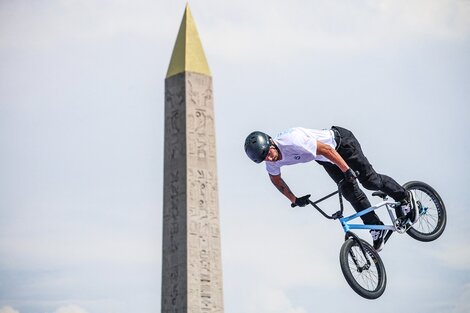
[(380, 194)]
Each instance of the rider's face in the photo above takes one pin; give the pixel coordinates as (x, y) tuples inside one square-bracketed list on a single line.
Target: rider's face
[(273, 154)]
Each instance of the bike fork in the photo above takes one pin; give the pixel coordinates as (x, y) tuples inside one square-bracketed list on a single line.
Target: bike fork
[(353, 256)]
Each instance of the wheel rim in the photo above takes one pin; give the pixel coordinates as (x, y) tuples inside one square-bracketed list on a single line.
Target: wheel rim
[(368, 279), (429, 212)]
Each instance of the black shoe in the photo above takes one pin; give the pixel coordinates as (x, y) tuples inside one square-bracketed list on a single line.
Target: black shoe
[(410, 207), (378, 238)]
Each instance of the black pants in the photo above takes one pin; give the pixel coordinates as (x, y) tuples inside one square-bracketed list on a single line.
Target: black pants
[(350, 150)]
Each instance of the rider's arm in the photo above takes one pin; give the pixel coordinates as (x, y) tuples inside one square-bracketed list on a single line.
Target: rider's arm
[(282, 187), (331, 154)]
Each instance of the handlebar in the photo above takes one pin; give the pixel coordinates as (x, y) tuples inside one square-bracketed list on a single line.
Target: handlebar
[(335, 215)]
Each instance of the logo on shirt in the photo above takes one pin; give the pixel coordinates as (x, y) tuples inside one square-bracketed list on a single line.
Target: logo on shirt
[(297, 157)]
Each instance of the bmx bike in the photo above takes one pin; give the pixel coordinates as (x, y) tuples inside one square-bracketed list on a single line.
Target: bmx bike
[(361, 265)]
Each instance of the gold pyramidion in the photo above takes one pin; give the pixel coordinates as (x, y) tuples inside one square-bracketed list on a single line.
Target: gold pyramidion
[(188, 54)]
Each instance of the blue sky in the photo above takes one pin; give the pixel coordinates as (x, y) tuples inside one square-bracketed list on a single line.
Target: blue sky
[(81, 138)]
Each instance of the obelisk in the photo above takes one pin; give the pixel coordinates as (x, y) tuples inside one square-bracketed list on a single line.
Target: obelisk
[(192, 266)]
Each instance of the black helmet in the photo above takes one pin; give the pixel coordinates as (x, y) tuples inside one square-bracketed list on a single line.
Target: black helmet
[(257, 146)]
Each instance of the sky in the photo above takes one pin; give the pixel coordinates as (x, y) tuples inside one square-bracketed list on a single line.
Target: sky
[(81, 147)]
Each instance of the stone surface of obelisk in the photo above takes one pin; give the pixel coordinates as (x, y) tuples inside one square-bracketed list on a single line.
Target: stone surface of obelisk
[(192, 266)]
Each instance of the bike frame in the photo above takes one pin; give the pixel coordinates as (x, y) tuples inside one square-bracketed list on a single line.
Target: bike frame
[(347, 227), (387, 203), (344, 221)]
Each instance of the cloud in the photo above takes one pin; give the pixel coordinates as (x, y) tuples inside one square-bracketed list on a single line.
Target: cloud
[(9, 309), (69, 250), (454, 256), (70, 309), (242, 30), (31, 25), (276, 301), (272, 251), (463, 303), (270, 300), (283, 29)]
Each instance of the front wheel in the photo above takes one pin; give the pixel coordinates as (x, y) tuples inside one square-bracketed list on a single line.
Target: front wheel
[(432, 212), (364, 272)]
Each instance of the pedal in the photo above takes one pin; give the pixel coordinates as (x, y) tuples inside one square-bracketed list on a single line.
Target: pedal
[(402, 224)]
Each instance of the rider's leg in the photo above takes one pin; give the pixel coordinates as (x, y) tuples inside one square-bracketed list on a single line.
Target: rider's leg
[(358, 199), (351, 151), (353, 193), (374, 181)]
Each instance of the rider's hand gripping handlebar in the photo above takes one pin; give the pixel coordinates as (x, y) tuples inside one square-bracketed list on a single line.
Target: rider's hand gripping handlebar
[(303, 201)]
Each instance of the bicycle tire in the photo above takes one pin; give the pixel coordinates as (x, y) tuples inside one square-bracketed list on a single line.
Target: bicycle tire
[(369, 283), (433, 217)]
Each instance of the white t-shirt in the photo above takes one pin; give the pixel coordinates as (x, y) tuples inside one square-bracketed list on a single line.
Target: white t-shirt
[(299, 145)]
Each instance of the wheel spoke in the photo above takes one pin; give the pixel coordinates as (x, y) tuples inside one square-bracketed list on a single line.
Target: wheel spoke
[(429, 220), (367, 279), (432, 212)]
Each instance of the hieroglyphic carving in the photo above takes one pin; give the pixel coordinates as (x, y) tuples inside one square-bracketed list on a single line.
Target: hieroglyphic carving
[(205, 239), (192, 278), (174, 231), (201, 131), (174, 120), (203, 202)]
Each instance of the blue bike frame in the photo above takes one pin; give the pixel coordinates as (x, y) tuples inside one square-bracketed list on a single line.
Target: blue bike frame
[(347, 227), (345, 220)]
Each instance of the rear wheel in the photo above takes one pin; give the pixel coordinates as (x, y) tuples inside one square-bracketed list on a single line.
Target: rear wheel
[(432, 212), (364, 272)]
